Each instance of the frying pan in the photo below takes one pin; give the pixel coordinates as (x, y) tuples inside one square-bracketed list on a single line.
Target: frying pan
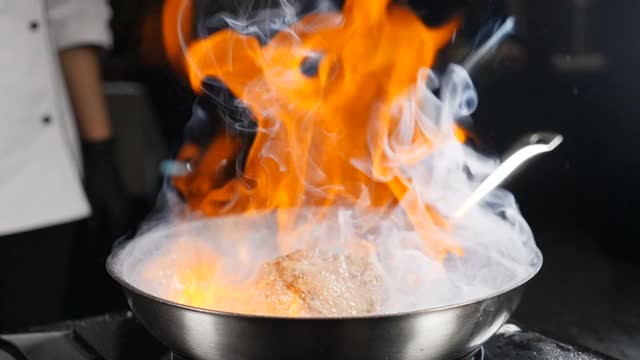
[(451, 332)]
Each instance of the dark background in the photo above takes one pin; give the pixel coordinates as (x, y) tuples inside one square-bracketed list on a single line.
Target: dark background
[(570, 68)]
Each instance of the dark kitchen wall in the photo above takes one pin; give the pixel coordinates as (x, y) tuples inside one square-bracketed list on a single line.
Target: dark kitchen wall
[(138, 57)]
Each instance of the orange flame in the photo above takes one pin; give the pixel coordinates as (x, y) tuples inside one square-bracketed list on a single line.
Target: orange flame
[(321, 93)]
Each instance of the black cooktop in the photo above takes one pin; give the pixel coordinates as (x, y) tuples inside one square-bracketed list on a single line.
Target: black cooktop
[(120, 337)]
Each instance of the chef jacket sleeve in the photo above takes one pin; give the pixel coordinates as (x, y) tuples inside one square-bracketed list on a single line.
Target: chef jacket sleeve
[(77, 23)]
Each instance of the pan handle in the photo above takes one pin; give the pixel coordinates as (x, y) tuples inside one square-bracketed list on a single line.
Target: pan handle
[(525, 149)]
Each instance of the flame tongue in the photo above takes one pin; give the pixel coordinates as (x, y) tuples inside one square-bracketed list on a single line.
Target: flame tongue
[(322, 93)]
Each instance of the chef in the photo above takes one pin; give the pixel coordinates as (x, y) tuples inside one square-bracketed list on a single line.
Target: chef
[(55, 137)]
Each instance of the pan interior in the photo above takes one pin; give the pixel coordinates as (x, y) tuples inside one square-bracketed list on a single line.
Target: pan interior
[(233, 234)]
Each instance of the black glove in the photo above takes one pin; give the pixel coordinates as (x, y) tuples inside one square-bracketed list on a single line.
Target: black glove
[(106, 194)]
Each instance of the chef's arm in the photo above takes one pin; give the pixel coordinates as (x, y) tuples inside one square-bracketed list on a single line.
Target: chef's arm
[(79, 28), (102, 181), (82, 75)]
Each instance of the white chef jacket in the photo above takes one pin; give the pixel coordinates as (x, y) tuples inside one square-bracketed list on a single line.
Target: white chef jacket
[(40, 162)]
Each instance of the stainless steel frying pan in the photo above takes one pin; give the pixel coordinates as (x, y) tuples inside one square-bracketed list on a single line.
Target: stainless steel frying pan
[(446, 333)]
